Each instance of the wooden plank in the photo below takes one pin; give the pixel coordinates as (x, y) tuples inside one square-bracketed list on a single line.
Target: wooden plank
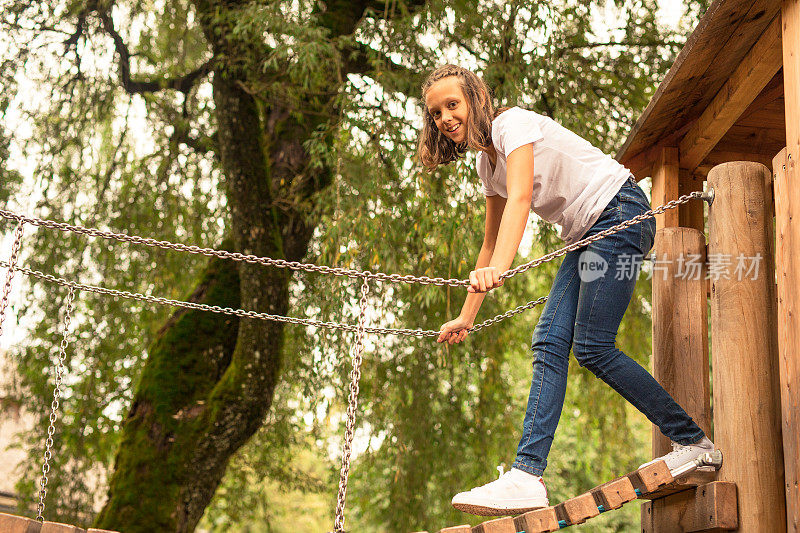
[(764, 141), (755, 71), (744, 345), (683, 483), (665, 185), (457, 529), (614, 494), (577, 510), (95, 530), (723, 36), (498, 525), (789, 269), (56, 527), (651, 477), (538, 521), (711, 507), (718, 157), (18, 524)]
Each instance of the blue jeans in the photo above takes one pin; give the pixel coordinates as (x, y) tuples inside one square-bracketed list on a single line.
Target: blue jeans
[(590, 293)]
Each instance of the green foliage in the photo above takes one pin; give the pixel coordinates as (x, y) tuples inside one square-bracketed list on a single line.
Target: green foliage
[(433, 419)]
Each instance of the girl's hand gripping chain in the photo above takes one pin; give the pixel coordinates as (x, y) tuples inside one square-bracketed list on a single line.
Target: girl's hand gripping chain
[(454, 331), (484, 279)]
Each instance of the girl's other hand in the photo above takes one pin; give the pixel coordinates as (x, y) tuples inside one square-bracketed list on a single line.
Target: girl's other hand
[(454, 331), (484, 279)]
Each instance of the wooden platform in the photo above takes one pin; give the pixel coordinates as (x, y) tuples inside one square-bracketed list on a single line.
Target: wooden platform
[(709, 505), (18, 524)]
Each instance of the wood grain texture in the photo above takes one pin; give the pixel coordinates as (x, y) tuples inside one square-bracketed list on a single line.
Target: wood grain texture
[(18, 524), (788, 222), (56, 527), (689, 481), (457, 529), (715, 48), (745, 83), (691, 214), (680, 326), (744, 345), (651, 477), (665, 185), (538, 521), (614, 494), (710, 507), (578, 509), (498, 525)]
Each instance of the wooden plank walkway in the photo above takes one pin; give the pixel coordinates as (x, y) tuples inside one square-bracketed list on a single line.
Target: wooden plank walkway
[(716, 500)]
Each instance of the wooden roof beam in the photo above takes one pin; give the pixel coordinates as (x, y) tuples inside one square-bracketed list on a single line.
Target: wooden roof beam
[(755, 71)]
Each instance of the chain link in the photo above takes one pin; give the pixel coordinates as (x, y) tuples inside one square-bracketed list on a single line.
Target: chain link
[(339, 271), (605, 233), (352, 405), (12, 262), (57, 392), (263, 316)]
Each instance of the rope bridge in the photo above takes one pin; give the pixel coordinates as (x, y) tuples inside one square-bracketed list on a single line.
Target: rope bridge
[(359, 328)]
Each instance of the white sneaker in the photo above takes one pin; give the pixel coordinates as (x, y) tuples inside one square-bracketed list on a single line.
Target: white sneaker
[(680, 455), (514, 492)]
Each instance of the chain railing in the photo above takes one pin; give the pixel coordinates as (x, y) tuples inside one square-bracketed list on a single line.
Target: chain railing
[(54, 405), (360, 328), (340, 271)]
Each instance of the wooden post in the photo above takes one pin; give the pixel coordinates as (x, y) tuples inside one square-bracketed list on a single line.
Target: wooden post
[(691, 215), (787, 222), (744, 345), (680, 325), (665, 185)]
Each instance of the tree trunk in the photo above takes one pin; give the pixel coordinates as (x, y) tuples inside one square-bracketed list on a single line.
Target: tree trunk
[(210, 378)]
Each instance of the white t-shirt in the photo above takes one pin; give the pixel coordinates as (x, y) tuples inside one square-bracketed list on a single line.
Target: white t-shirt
[(573, 181)]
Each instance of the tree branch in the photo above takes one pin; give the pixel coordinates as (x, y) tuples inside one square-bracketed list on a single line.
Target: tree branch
[(183, 83)]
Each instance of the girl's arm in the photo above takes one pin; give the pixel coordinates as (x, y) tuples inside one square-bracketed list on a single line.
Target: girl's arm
[(515, 216), (494, 213), (505, 224)]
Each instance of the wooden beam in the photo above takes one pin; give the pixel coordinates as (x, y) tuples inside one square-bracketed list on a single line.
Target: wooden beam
[(788, 224), (18, 524), (57, 527), (691, 214), (744, 344), (680, 325), (711, 507), (665, 185), (755, 71)]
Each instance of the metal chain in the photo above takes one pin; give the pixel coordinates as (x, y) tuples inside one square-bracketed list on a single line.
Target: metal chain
[(264, 316), (60, 367), (12, 262), (339, 271), (352, 405), (605, 233)]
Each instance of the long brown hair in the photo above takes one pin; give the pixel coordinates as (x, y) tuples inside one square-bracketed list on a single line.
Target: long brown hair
[(433, 147)]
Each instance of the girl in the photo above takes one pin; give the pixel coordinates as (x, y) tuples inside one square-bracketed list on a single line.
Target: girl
[(577, 186)]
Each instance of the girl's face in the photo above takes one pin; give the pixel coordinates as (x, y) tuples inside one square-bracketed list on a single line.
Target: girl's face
[(448, 107)]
